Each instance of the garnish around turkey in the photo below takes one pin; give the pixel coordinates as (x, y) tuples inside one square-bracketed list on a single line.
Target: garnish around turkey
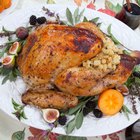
[(70, 68)]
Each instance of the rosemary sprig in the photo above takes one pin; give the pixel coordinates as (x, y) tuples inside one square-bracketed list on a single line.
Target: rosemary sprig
[(19, 110), (126, 111)]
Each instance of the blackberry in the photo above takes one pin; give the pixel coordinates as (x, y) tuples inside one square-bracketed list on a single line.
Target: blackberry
[(97, 113), (32, 20), (41, 20), (62, 120), (90, 104), (86, 111)]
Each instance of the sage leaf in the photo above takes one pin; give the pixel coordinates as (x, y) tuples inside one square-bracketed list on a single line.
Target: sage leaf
[(14, 103), (85, 19), (76, 12), (23, 115), (94, 20), (5, 79), (73, 110), (79, 119), (80, 15), (3, 51), (69, 16), (70, 126), (17, 72)]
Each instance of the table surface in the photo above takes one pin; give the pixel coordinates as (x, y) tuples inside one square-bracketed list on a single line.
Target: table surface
[(8, 125)]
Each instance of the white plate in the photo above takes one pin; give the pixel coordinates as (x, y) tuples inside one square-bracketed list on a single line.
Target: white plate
[(9, 10), (91, 126)]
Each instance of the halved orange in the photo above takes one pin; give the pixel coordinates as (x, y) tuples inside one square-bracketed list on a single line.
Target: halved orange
[(110, 102)]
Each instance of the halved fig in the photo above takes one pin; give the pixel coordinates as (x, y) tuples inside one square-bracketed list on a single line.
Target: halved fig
[(9, 61), (50, 115), (15, 48)]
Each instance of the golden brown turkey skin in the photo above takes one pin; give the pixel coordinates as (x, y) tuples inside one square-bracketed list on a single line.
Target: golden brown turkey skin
[(49, 99), (50, 49), (93, 82)]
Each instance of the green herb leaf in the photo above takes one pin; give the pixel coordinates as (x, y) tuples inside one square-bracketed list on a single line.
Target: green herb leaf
[(23, 115), (69, 16), (85, 19), (114, 39), (111, 35), (109, 29), (3, 51), (94, 20), (73, 110), (76, 12), (126, 52), (70, 126), (80, 15), (5, 79), (126, 111), (19, 135), (5, 30), (79, 119), (14, 103), (19, 113)]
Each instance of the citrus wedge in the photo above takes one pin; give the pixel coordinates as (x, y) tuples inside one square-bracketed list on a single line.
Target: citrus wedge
[(110, 102)]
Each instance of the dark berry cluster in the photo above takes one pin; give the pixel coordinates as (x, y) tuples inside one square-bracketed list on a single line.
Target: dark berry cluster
[(34, 20), (90, 106), (62, 120)]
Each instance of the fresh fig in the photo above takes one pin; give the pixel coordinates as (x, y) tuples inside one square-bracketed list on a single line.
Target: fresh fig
[(22, 32), (15, 48), (9, 61), (50, 115)]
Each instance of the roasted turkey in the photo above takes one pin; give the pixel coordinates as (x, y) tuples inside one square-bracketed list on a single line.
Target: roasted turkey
[(51, 64)]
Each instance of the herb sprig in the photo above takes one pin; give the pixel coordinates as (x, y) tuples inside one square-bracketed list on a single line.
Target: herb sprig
[(9, 74), (76, 17), (77, 121), (126, 111), (19, 110)]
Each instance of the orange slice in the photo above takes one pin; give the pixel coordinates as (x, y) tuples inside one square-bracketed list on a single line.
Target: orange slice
[(110, 102)]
